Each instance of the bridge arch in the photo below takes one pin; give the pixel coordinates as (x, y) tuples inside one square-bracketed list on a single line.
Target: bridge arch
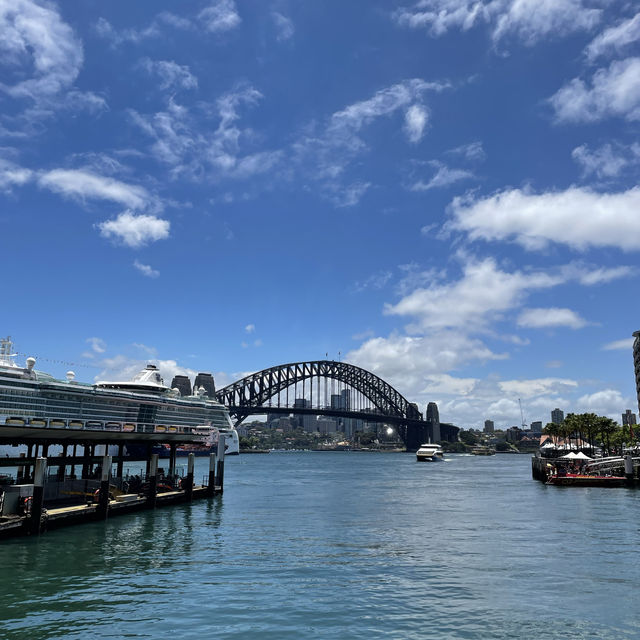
[(251, 394)]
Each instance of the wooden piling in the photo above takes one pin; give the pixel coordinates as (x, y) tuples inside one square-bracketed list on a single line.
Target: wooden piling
[(35, 516), (152, 493), (211, 488), (191, 460), (103, 499), (220, 463)]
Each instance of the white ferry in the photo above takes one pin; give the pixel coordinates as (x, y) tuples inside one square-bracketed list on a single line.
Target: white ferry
[(34, 399), (429, 453)]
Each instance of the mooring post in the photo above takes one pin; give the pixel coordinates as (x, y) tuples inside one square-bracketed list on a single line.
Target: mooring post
[(63, 464), (211, 488), (103, 499), (220, 464), (153, 481), (191, 460), (120, 461), (39, 475), (628, 469), (172, 460)]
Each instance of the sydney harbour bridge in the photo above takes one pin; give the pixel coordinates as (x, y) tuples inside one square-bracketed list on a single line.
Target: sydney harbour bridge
[(336, 389)]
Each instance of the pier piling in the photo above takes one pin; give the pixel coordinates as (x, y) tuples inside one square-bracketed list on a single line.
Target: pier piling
[(153, 481), (103, 500), (35, 515), (188, 488), (628, 470), (211, 488), (220, 463)]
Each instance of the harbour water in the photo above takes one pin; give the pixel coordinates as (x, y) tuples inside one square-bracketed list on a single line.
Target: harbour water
[(342, 545)]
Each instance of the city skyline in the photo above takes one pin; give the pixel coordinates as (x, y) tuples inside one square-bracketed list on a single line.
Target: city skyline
[(441, 192)]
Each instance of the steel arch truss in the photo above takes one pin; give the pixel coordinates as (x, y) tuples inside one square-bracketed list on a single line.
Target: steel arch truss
[(255, 390)]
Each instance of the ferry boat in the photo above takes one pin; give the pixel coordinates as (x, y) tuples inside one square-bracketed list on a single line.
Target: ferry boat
[(33, 399), (483, 451), (429, 453)]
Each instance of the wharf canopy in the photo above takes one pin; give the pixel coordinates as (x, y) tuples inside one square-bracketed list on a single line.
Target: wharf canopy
[(31, 398)]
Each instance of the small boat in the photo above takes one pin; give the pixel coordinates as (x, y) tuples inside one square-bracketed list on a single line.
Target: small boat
[(37, 422), (93, 424), (428, 453), (113, 426), (580, 480), (128, 427), (76, 424), (161, 428), (16, 422), (57, 423)]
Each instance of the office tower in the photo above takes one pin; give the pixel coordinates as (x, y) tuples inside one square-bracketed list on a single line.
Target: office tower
[(557, 416), (488, 426)]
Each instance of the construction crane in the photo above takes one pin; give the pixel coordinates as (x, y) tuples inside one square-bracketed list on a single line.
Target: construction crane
[(524, 424)]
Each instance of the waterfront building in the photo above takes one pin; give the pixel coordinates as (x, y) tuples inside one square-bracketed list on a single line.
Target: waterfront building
[(514, 434), (488, 426), (557, 416), (536, 426), (628, 418)]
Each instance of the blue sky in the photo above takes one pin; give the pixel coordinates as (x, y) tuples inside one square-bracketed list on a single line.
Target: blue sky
[(444, 192)]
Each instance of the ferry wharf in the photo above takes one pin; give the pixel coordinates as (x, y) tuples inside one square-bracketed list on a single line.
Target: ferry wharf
[(46, 493)]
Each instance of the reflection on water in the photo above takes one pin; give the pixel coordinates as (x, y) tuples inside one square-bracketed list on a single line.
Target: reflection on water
[(342, 545)]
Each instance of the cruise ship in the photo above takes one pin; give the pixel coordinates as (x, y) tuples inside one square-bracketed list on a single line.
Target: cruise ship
[(31, 398)]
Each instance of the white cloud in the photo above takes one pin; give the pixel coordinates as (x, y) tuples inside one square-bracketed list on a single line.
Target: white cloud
[(615, 40), (443, 177), (472, 152), (626, 344), (606, 402), (146, 270), (97, 344), (135, 230), (35, 42), (482, 293), (551, 317), (614, 92), (608, 160), (603, 275), (415, 121), (283, 25), (527, 20), (531, 20), (193, 150), (375, 281), (84, 184), (171, 74), (579, 218), (122, 367), (537, 386), (220, 16), (154, 30), (250, 328), (13, 175)]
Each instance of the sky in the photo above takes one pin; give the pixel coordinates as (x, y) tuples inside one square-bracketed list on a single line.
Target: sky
[(443, 192)]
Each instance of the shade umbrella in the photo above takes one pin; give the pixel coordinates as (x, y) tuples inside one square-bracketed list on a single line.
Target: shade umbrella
[(581, 456)]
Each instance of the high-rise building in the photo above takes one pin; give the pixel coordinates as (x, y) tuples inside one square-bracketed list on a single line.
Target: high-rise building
[(557, 416), (628, 417), (488, 426), (536, 426), (636, 362)]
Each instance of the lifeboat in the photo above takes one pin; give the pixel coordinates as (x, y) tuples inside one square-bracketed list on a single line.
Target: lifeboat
[(161, 428), (94, 424), (172, 428), (15, 422), (57, 423), (76, 424), (128, 427), (37, 422), (113, 426)]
